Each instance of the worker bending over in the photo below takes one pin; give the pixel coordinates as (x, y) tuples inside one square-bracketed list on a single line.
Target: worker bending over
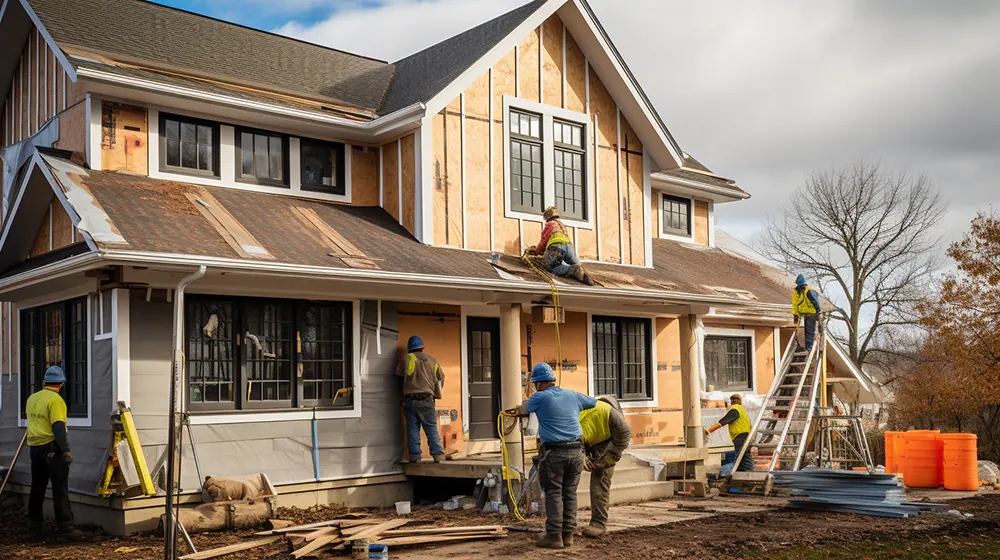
[(558, 253), (560, 462), (606, 434), (48, 442), (739, 430), (422, 383), (805, 304)]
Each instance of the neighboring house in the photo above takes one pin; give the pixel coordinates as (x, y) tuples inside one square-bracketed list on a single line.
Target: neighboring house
[(342, 204)]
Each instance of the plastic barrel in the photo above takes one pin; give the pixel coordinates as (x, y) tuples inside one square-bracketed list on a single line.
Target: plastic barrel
[(890, 452), (922, 468), (961, 465), (899, 453), (940, 451)]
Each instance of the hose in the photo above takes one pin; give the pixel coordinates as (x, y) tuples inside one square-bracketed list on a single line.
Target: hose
[(555, 301), (506, 460)]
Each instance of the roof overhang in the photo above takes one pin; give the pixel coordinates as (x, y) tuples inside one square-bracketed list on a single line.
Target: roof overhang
[(696, 189), (17, 19), (856, 386)]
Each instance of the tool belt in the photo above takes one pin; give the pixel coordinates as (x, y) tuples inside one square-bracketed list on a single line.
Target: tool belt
[(419, 397)]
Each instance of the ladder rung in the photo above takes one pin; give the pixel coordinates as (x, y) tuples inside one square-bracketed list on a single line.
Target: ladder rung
[(792, 386)]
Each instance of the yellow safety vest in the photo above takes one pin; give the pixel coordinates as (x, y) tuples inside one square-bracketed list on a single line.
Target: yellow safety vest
[(801, 304), (742, 424), (595, 423), (43, 409), (558, 235)]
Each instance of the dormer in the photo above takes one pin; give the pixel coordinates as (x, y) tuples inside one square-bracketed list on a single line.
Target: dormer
[(684, 199)]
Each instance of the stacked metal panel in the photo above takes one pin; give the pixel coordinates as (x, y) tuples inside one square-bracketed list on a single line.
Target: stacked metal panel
[(833, 490)]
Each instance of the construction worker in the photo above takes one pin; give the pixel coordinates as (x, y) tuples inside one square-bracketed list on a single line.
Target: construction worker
[(805, 304), (739, 430), (558, 253), (561, 461), (606, 435), (48, 442), (423, 380)]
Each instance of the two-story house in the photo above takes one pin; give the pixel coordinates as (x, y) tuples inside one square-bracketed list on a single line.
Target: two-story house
[(340, 205)]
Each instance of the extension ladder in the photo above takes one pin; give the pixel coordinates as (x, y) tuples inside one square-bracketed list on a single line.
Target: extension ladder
[(781, 429)]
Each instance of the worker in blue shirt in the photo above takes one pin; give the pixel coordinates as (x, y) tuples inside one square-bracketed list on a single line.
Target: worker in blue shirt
[(561, 461), (805, 305)]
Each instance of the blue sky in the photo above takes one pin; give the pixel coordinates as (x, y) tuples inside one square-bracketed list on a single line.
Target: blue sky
[(272, 14)]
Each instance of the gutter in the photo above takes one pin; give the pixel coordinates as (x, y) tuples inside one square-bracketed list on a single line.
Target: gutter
[(728, 193)]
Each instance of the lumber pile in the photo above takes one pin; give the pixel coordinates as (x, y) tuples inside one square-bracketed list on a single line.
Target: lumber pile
[(832, 490)]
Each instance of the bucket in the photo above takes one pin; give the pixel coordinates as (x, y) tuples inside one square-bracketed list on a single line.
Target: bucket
[(402, 508), (378, 552), (922, 467), (890, 452), (359, 549), (961, 465)]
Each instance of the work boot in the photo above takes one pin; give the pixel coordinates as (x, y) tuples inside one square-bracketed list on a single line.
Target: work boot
[(588, 280), (550, 541), (593, 531), (439, 458), (71, 533), (567, 540)]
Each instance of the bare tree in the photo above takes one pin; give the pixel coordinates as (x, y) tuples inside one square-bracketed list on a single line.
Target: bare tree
[(864, 236)]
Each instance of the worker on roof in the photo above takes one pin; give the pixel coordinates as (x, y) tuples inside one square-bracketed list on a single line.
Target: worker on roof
[(805, 305), (48, 444), (606, 435), (561, 461), (739, 430), (558, 253), (422, 383)]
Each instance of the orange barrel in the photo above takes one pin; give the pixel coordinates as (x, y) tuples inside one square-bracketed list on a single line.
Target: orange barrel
[(923, 467), (961, 464), (890, 452), (940, 451), (899, 454)]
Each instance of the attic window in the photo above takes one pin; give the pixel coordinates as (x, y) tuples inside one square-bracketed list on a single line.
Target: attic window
[(261, 157), (189, 146), (676, 215), (323, 167)]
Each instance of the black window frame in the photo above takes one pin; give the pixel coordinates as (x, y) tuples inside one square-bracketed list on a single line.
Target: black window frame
[(605, 357), (687, 203), (234, 324), (74, 358), (216, 173), (340, 149), (573, 150), (518, 140), (284, 182), (712, 378)]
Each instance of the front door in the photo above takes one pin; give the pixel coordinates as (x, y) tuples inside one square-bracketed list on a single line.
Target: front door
[(484, 376)]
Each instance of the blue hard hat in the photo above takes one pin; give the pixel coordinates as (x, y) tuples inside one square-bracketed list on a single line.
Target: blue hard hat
[(414, 344), (800, 281), (54, 375), (542, 372)]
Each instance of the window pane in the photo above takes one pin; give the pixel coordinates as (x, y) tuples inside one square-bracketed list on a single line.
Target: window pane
[(173, 130), (210, 340), (173, 153), (204, 134), (325, 343), (676, 215), (267, 350), (188, 132), (570, 190), (246, 153), (205, 157), (727, 363), (189, 155), (260, 156), (277, 155), (320, 166)]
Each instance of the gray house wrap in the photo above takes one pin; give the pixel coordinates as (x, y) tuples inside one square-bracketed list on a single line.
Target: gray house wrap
[(348, 447)]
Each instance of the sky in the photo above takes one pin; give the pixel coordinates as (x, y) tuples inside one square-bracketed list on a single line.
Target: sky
[(764, 92)]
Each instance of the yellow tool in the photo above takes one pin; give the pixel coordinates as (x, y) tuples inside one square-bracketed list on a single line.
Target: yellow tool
[(508, 472), (555, 302), (127, 431)]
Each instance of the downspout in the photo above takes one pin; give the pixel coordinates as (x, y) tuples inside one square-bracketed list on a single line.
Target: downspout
[(173, 437), (315, 447)]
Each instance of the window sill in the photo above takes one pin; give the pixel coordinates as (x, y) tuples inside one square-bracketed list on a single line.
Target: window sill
[(529, 217), (188, 172), (204, 418), (637, 404), (246, 180)]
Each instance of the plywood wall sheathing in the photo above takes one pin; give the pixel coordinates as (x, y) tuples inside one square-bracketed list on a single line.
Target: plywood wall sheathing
[(701, 222), (409, 174), (364, 176), (602, 105), (527, 67), (636, 211), (453, 174), (552, 54), (124, 138), (477, 164), (655, 213), (62, 227), (505, 231), (43, 239), (390, 178), (73, 129)]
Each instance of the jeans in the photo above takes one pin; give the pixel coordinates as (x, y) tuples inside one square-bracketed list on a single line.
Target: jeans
[(560, 259), (421, 412), (809, 322), (746, 463), (47, 464), (559, 472)]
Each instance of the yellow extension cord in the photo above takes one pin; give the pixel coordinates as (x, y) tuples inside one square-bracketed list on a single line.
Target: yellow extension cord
[(506, 462), (555, 301)]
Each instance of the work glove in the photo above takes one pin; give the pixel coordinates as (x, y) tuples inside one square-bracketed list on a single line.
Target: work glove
[(68, 457), (512, 411), (588, 463)]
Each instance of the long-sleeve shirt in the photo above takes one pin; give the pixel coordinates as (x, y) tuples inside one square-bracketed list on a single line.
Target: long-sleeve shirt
[(422, 375), (552, 227)]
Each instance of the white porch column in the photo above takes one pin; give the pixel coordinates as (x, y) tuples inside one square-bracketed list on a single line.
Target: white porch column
[(510, 373), (691, 342)]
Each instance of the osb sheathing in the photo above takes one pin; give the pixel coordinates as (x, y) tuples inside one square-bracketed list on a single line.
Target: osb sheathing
[(701, 222), (669, 364), (573, 334), (477, 164), (576, 76), (73, 129), (364, 177), (552, 56), (527, 67), (603, 106), (42, 238), (505, 231), (654, 201), (390, 178), (454, 186), (443, 336), (409, 174), (124, 138), (62, 227)]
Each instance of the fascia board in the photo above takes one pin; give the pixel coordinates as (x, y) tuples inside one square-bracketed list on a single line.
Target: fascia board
[(70, 69), (846, 362), (694, 188)]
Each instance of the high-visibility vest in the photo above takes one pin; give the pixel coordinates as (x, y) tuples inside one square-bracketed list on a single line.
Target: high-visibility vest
[(741, 425), (558, 235), (801, 305), (595, 423)]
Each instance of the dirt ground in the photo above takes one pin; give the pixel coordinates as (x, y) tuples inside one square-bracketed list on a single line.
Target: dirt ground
[(776, 534)]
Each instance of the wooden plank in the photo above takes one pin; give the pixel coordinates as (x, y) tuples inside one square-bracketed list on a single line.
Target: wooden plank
[(337, 522), (215, 552), (369, 532), (338, 240), (241, 240), (316, 545), (442, 530), (403, 541), (321, 532)]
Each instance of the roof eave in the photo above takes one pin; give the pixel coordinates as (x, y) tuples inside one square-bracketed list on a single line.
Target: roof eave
[(716, 193)]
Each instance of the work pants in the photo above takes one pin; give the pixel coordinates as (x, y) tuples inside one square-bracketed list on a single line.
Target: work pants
[(560, 259), (559, 472), (600, 483), (421, 413), (47, 464), (746, 464), (809, 322)]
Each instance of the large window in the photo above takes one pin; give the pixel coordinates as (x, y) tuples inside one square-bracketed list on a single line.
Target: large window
[(526, 162), (322, 167), (622, 358), (261, 157), (56, 335), (675, 215), (189, 145), (262, 353), (569, 154), (727, 363)]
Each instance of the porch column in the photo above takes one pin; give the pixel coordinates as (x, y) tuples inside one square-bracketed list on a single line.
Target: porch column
[(691, 338), (510, 373)]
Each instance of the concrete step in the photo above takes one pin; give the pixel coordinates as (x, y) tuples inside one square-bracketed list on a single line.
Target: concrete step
[(630, 493), (625, 475)]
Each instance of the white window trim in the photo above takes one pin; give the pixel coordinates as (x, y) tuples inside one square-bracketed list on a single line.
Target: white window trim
[(256, 416), (735, 333), (79, 422), (673, 236), (548, 114), (650, 403), (227, 159)]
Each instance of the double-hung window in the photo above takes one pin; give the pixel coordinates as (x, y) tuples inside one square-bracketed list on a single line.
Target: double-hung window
[(727, 363), (322, 166), (569, 154), (261, 157), (526, 188), (56, 335), (250, 353), (623, 358), (675, 215), (189, 145)]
